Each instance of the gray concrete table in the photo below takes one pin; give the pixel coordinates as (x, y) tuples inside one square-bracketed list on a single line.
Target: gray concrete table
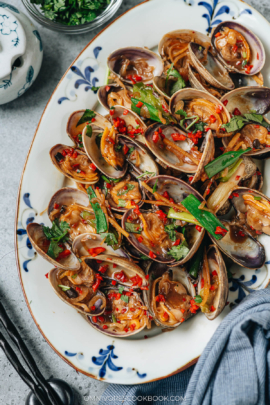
[(18, 121)]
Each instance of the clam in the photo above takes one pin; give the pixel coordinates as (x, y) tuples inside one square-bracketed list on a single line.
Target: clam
[(122, 318), (179, 154), (101, 150), (245, 101), (254, 182), (173, 48), (76, 165), (124, 194), (138, 156), (163, 85), (253, 209), (75, 289), (154, 241), (169, 295), (89, 242), (238, 48), (199, 83), (197, 103), (219, 197), (134, 124), (218, 294), (72, 206), (75, 132), (41, 245), (134, 64), (209, 67), (239, 245), (122, 270), (241, 80), (113, 94)]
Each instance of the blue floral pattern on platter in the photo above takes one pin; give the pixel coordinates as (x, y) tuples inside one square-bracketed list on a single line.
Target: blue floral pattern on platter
[(105, 359), (27, 217), (217, 11), (10, 7), (85, 76), (37, 34)]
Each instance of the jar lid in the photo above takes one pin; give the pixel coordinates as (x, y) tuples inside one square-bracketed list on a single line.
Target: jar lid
[(12, 41)]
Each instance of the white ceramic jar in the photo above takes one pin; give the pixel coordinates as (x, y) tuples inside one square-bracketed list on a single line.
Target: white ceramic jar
[(21, 53)]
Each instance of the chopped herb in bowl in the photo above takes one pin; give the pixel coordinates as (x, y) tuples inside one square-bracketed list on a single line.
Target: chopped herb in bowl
[(72, 12)]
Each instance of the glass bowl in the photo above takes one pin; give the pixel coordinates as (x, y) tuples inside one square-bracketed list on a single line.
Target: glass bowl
[(37, 15)]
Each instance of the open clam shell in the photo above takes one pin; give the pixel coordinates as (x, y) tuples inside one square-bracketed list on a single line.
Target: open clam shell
[(239, 245), (84, 242), (142, 160), (37, 238), (183, 36), (241, 80), (197, 82), (178, 190), (114, 89), (88, 178), (216, 263), (246, 100), (112, 327), (71, 203), (131, 120), (170, 159), (84, 302), (190, 94), (162, 86), (74, 131), (92, 148), (209, 67), (125, 182), (175, 285), (259, 224), (135, 54), (257, 59), (120, 269)]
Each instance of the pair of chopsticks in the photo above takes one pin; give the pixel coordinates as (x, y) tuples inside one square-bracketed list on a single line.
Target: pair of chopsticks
[(39, 386)]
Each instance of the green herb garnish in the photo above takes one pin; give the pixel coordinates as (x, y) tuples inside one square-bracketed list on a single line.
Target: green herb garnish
[(225, 160), (257, 198), (121, 289), (133, 228), (170, 229), (72, 12), (113, 318), (155, 186), (143, 257), (198, 299), (146, 174), (101, 222), (74, 276), (124, 298), (129, 188), (121, 203), (180, 251), (110, 238), (56, 234), (64, 287), (87, 116), (89, 131)]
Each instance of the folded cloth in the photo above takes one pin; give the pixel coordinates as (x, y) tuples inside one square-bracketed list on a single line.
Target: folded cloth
[(234, 368)]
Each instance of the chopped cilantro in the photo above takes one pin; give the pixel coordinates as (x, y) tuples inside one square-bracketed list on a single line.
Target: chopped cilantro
[(87, 116), (124, 298), (133, 228), (198, 299), (129, 188), (180, 251)]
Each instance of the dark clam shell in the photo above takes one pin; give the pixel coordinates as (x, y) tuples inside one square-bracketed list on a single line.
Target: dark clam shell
[(245, 250)]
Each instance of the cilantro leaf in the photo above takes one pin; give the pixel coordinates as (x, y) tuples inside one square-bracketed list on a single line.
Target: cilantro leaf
[(198, 299), (110, 238), (180, 251), (87, 116), (89, 131), (121, 289), (181, 112), (170, 229), (133, 228), (124, 298), (54, 250), (237, 122)]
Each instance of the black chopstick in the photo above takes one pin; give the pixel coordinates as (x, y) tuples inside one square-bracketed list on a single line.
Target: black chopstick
[(16, 338), (12, 357)]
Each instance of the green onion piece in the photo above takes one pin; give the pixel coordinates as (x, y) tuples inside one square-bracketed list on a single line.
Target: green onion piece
[(91, 193), (74, 276), (64, 287), (223, 161), (196, 261), (183, 216), (257, 198), (155, 186), (101, 223), (208, 220), (143, 257), (133, 228), (231, 171), (153, 112), (105, 178), (244, 54), (113, 318)]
